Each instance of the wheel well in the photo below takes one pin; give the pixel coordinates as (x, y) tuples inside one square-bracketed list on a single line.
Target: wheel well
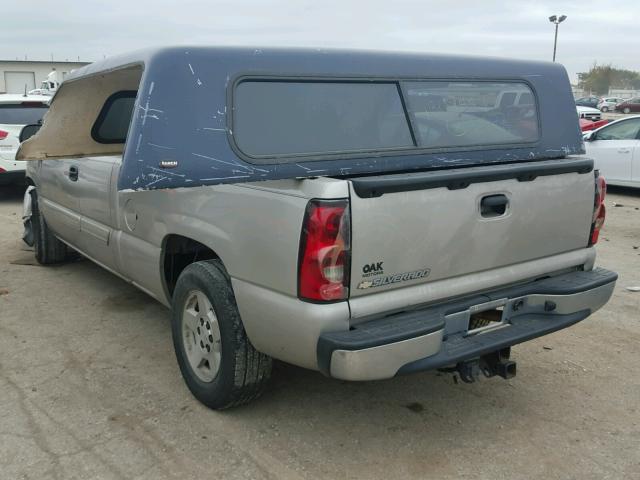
[(178, 253)]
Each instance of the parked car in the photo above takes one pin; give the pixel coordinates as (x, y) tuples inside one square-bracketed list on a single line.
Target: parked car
[(587, 125), (16, 111), (608, 103), (314, 216), (589, 113), (615, 149), (591, 101), (628, 106)]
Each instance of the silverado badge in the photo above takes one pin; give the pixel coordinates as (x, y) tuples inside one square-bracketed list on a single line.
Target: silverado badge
[(395, 278)]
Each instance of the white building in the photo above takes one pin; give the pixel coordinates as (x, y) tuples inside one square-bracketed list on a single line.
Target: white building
[(623, 93), (16, 75)]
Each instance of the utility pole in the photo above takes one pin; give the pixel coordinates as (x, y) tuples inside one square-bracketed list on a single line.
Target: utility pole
[(557, 21)]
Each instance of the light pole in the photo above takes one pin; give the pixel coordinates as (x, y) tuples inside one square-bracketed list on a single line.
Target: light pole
[(557, 21)]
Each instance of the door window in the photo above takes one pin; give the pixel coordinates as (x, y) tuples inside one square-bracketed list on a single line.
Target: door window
[(627, 130)]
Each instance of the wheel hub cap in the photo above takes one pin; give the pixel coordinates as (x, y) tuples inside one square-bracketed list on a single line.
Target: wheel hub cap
[(201, 336)]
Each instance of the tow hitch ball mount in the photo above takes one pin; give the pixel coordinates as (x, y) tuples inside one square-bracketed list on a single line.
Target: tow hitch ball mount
[(495, 363)]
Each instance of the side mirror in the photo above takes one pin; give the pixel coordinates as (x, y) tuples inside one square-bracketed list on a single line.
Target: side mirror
[(28, 131), (589, 136)]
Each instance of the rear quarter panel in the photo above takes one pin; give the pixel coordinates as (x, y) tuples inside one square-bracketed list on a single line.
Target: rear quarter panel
[(254, 228)]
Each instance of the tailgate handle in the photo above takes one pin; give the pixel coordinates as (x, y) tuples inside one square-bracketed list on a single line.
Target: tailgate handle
[(493, 205)]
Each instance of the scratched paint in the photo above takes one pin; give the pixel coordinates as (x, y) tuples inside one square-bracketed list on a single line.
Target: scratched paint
[(183, 115)]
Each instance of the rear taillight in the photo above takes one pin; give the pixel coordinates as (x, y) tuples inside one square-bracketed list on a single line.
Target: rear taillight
[(3, 134), (599, 211), (325, 252), (2, 170)]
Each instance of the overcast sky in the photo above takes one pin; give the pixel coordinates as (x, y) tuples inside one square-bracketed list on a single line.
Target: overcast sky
[(594, 30)]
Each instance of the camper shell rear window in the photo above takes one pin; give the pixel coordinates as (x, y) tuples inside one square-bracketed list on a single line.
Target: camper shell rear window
[(280, 120)]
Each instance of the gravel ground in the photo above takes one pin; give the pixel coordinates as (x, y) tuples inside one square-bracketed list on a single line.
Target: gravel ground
[(89, 388)]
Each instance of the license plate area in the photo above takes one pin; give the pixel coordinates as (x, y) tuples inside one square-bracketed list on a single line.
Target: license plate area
[(485, 320), (479, 318), (486, 316)]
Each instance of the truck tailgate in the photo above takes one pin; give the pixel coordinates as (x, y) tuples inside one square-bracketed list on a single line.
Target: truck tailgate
[(418, 228)]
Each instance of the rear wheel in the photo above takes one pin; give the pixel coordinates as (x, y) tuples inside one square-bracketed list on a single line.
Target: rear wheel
[(47, 247), (216, 358), (604, 109), (627, 110)]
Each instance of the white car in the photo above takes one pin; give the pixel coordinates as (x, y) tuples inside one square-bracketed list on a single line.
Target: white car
[(615, 149), (589, 113), (607, 103), (16, 111)]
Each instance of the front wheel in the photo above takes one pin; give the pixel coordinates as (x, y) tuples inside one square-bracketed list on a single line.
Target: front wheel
[(47, 247), (216, 358), (627, 110), (604, 109)]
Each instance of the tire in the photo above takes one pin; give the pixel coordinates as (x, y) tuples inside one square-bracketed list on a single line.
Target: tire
[(48, 249), (626, 110), (604, 109), (218, 363)]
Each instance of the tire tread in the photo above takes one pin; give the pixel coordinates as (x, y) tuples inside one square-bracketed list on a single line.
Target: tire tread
[(252, 369), (48, 249)]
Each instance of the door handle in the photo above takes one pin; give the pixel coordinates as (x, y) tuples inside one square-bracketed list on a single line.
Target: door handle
[(73, 173), (623, 150), (493, 205)]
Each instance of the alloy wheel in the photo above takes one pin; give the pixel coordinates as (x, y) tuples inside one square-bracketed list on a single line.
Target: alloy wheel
[(201, 336)]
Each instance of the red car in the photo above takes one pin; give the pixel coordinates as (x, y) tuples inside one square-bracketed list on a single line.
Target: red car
[(586, 125), (628, 106)]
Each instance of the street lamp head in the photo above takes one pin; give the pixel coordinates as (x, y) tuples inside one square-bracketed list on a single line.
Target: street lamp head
[(562, 18), (553, 18)]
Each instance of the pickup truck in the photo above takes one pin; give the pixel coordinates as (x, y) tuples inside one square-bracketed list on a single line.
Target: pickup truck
[(309, 206)]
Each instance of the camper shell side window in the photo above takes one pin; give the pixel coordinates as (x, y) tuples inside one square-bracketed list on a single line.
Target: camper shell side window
[(114, 119)]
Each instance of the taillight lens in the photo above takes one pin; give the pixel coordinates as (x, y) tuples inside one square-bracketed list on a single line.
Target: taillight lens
[(599, 210), (3, 134), (325, 252)]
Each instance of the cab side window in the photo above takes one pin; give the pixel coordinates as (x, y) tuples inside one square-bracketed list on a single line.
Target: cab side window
[(627, 130)]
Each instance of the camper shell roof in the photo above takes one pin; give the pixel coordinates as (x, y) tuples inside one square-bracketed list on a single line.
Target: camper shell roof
[(182, 128)]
